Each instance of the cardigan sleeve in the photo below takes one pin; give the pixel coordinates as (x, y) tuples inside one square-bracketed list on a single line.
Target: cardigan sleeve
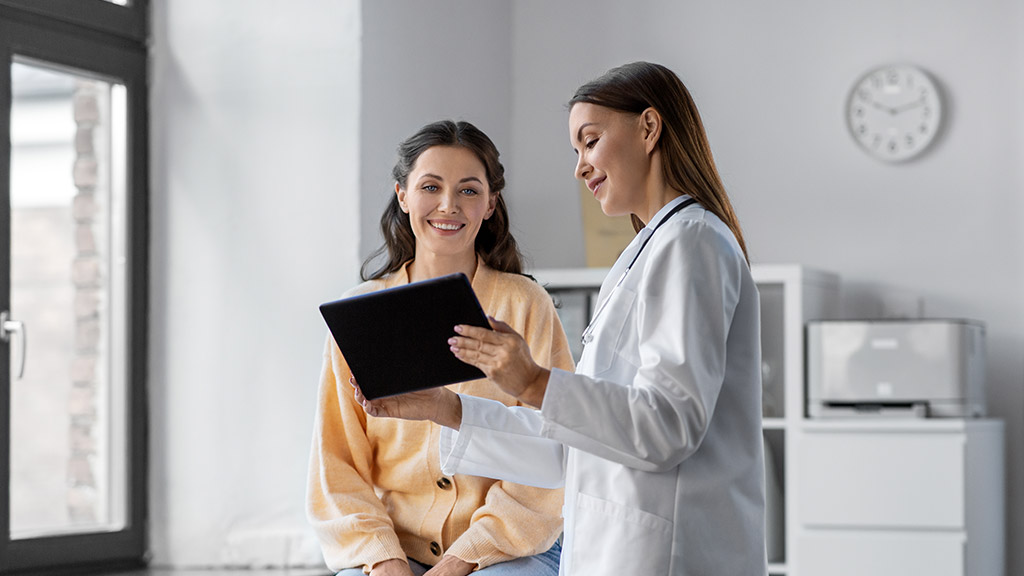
[(350, 521), (518, 520)]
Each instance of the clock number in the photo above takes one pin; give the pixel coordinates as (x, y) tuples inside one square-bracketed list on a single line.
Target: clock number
[(859, 111), (923, 128), (893, 147), (893, 77), (876, 140), (910, 140), (862, 129)]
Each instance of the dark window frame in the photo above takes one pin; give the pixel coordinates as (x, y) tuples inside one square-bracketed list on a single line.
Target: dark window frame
[(108, 40)]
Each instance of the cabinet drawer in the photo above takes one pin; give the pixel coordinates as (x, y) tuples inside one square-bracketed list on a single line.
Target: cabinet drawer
[(840, 553), (881, 480)]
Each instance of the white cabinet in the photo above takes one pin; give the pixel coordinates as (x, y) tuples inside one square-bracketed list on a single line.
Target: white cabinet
[(900, 497)]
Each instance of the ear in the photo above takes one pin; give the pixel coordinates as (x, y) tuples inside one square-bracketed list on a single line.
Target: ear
[(650, 125), (491, 205), (401, 198)]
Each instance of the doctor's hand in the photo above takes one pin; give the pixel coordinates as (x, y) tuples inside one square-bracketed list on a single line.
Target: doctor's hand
[(502, 355), (439, 405)]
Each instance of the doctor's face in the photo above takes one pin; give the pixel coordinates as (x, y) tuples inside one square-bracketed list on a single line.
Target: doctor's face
[(447, 199), (611, 156)]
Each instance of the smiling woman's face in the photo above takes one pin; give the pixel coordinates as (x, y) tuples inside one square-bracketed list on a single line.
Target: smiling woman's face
[(447, 199), (612, 159)]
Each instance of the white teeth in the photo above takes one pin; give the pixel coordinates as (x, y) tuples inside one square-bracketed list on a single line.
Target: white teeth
[(446, 226)]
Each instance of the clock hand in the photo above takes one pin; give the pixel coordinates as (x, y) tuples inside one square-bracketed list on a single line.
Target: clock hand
[(906, 107), (883, 107)]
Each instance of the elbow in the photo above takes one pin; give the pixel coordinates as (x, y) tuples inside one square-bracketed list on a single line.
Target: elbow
[(664, 461)]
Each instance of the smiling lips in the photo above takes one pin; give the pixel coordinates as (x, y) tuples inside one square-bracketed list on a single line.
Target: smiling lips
[(595, 183), (446, 225)]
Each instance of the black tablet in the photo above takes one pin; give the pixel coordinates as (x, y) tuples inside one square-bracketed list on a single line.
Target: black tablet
[(396, 340)]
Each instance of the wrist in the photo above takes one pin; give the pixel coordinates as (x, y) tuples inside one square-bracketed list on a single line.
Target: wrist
[(449, 413), (534, 392)]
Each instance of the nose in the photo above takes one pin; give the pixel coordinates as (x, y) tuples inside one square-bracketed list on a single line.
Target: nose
[(449, 202), (583, 168)]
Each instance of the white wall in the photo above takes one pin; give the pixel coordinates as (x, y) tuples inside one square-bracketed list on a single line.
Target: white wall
[(255, 221), (274, 136), (771, 79), (422, 62)]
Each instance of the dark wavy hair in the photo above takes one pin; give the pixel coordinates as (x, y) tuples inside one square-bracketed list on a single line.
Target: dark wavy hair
[(688, 165), (494, 241)]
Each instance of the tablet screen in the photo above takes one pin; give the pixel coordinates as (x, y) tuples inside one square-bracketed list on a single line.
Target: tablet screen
[(396, 340)]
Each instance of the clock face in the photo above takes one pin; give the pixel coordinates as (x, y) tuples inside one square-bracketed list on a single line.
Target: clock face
[(894, 112)]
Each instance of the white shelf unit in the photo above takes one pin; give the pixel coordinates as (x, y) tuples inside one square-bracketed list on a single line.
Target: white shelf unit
[(790, 296)]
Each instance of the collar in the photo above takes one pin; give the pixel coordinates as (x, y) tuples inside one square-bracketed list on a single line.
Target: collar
[(660, 214), (483, 279)]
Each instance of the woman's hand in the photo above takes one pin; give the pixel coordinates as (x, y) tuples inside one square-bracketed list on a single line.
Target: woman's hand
[(451, 566), (393, 567), (504, 357), (439, 405)]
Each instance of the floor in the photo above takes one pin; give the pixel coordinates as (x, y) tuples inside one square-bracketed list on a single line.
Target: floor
[(226, 572)]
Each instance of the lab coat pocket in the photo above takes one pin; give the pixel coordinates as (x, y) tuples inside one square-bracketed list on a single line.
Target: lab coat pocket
[(609, 326), (612, 538)]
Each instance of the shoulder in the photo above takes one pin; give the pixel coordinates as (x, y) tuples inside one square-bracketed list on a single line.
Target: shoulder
[(366, 288), (698, 230), (519, 287)]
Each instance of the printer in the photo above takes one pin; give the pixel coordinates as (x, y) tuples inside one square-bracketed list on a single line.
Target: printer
[(873, 368)]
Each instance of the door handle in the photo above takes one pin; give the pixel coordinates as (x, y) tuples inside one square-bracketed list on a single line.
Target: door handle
[(8, 327)]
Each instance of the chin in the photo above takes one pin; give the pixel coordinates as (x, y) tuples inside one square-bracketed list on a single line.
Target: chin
[(612, 211)]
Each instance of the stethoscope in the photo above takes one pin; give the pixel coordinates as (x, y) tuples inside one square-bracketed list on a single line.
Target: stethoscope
[(588, 334)]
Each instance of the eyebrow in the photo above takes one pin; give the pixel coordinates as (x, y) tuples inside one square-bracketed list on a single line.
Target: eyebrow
[(466, 179), (579, 133)]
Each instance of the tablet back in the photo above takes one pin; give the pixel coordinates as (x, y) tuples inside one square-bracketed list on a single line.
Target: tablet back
[(396, 340)]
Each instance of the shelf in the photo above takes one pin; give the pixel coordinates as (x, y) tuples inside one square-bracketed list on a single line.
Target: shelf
[(568, 278), (874, 425), (773, 423), (776, 569)]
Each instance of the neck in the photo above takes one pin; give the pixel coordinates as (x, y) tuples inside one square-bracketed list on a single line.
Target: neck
[(657, 202), (427, 266), (657, 192)]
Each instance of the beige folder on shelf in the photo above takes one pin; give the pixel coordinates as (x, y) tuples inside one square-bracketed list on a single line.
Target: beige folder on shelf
[(604, 237)]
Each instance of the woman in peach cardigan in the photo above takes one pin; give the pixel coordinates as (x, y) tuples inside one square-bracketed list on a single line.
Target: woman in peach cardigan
[(376, 495)]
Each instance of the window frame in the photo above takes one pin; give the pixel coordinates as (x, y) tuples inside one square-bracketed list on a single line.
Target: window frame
[(129, 22), (82, 40)]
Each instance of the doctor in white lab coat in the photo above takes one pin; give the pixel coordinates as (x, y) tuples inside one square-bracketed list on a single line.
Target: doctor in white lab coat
[(657, 436)]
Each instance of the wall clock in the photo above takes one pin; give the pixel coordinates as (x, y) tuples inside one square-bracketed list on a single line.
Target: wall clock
[(894, 112)]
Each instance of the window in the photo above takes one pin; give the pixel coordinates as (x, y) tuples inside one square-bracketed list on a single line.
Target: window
[(73, 249)]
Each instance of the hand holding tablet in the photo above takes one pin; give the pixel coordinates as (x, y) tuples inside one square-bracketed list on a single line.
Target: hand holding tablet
[(396, 340)]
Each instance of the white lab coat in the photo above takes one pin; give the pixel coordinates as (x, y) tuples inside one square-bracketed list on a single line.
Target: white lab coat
[(657, 436)]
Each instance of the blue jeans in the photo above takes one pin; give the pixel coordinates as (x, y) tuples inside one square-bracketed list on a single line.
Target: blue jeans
[(544, 564)]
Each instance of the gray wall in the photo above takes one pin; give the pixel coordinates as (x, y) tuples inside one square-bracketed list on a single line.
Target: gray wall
[(771, 79), (427, 61), (255, 222)]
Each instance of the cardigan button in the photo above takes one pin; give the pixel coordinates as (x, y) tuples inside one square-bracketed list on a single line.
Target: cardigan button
[(444, 483), (435, 548)]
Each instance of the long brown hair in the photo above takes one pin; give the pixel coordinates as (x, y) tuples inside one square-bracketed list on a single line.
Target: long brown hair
[(494, 242), (688, 166)]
